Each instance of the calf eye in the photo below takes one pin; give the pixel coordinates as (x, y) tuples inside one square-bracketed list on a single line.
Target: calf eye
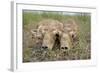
[(39, 38), (32, 37)]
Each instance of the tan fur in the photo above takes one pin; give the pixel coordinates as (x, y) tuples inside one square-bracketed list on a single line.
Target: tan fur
[(66, 41), (50, 25), (72, 27), (48, 28), (48, 40)]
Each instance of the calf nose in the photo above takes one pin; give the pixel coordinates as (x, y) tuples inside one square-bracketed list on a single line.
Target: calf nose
[(44, 47), (64, 47), (57, 35)]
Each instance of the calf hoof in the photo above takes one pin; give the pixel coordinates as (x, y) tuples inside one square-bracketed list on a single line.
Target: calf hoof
[(64, 47)]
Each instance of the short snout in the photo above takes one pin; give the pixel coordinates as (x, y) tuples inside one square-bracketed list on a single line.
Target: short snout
[(66, 42), (44, 47)]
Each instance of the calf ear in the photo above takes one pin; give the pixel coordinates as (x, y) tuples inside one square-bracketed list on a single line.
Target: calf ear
[(34, 32)]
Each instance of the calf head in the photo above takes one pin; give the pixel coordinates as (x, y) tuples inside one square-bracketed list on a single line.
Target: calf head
[(37, 36), (72, 27)]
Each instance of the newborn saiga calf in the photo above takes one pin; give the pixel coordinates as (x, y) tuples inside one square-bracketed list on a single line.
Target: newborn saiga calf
[(72, 27), (51, 31)]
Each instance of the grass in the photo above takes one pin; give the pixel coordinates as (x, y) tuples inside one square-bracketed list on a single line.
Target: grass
[(81, 51)]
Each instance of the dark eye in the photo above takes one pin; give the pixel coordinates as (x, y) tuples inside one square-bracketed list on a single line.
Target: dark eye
[(32, 37), (39, 38)]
